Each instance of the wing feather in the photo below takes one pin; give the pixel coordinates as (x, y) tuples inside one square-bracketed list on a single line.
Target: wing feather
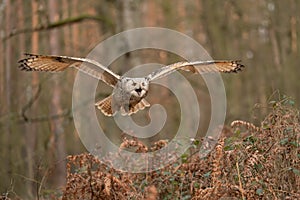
[(199, 67), (59, 63)]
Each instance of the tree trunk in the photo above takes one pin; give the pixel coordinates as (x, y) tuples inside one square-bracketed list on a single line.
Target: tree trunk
[(75, 30), (56, 125), (66, 29), (2, 69), (8, 86), (31, 129), (128, 19)]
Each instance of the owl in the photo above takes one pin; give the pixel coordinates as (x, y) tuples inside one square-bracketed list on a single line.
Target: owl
[(129, 94)]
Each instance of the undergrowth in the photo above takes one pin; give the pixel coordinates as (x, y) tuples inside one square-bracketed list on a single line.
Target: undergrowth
[(253, 163), (250, 162)]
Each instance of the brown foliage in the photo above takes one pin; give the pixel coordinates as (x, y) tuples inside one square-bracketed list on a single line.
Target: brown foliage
[(262, 164)]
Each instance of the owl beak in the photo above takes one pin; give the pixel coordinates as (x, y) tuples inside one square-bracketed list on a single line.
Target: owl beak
[(139, 91)]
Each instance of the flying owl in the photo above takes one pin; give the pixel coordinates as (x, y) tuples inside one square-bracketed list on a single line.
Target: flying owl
[(129, 94)]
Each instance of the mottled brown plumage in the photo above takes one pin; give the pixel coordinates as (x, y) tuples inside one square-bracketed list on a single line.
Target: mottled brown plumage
[(128, 96)]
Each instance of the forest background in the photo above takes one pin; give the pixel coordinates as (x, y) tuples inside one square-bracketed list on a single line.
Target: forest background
[(36, 127)]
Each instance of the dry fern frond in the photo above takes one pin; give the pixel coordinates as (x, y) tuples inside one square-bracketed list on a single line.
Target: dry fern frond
[(151, 193), (107, 185), (134, 145), (247, 125), (263, 165), (216, 165)]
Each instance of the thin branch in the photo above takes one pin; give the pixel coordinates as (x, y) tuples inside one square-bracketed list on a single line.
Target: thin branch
[(63, 22), (21, 117), (240, 182), (66, 113), (30, 103)]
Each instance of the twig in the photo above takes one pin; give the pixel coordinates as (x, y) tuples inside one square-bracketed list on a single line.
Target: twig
[(30, 103), (57, 24), (89, 171), (65, 113), (42, 182), (240, 182)]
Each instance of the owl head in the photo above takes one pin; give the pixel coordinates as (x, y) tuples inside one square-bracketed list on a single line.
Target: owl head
[(137, 87)]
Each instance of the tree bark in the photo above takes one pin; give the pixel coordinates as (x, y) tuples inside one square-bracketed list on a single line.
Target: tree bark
[(128, 19), (57, 128), (2, 69), (66, 29), (8, 86), (75, 30), (31, 129)]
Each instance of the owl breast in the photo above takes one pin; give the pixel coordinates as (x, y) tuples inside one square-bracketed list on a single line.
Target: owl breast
[(128, 93)]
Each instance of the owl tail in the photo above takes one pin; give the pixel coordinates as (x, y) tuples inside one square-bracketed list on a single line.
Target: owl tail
[(105, 106), (139, 106)]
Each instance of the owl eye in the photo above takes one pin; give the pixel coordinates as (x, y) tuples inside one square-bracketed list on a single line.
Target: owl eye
[(143, 84), (134, 84)]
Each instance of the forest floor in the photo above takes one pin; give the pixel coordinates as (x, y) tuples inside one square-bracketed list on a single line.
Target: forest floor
[(247, 162)]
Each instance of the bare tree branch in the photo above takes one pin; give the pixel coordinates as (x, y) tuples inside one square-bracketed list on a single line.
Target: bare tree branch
[(30, 102), (60, 23), (66, 113), (63, 114)]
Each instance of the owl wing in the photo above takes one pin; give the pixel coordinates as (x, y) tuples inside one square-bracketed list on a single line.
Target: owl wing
[(198, 67), (60, 63)]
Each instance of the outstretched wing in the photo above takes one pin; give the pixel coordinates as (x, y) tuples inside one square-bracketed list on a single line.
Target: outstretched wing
[(60, 63), (198, 67)]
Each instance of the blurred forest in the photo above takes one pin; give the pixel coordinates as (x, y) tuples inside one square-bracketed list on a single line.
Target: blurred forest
[(36, 126)]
